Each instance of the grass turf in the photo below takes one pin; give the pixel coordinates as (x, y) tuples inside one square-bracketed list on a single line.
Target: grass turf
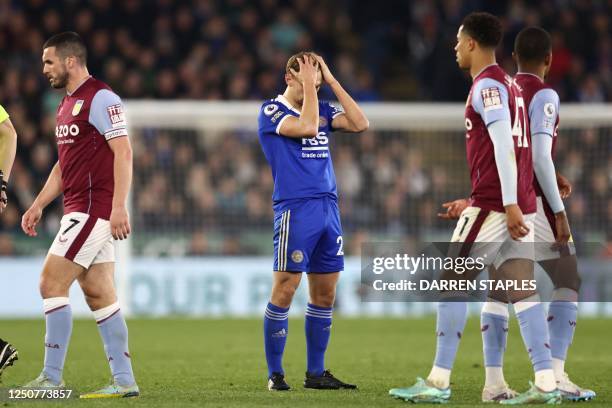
[(189, 362)]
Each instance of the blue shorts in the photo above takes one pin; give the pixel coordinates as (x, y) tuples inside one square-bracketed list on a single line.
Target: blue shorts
[(308, 236)]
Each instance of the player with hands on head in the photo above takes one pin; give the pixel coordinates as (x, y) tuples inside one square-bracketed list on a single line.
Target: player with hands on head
[(294, 132)]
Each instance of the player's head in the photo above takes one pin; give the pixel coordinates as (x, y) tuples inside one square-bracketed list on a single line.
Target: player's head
[(62, 53), (290, 79), (479, 33), (533, 49)]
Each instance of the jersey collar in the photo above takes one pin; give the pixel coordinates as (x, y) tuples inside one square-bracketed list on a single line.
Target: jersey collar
[(77, 88), (284, 101), (484, 69), (529, 73)]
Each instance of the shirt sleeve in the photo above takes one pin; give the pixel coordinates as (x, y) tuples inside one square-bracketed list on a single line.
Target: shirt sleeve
[(107, 114), (3, 114), (490, 100), (543, 112), (332, 112), (271, 117)]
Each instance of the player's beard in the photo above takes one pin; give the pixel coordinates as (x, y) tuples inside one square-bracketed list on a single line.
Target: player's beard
[(60, 81)]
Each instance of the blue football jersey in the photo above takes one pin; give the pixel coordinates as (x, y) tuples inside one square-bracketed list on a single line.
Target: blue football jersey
[(301, 167)]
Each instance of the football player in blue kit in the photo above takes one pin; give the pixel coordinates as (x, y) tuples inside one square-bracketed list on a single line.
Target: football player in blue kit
[(294, 132)]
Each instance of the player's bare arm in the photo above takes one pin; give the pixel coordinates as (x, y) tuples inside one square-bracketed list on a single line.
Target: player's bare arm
[(454, 208), (119, 218), (50, 191), (8, 148), (307, 124), (353, 119)]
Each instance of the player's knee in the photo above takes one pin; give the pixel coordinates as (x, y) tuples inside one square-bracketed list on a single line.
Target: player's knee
[(282, 294), (50, 288), (324, 298)]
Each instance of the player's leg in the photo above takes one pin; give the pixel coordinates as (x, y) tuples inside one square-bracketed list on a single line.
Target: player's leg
[(494, 329), (517, 265), (562, 267), (98, 287), (57, 276), (327, 260), (276, 326), (451, 316)]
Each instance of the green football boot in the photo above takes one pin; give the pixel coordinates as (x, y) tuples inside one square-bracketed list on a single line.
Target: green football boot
[(534, 396), (422, 392)]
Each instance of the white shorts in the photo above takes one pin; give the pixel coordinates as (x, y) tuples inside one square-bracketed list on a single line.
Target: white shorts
[(545, 235), (84, 240), (485, 234)]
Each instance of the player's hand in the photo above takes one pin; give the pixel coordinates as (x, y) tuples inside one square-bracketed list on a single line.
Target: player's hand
[(30, 219), (563, 230), (454, 209), (565, 187), (120, 223), (308, 70), (515, 223), (325, 71)]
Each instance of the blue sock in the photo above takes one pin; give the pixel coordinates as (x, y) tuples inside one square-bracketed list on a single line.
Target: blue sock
[(494, 329), (114, 334), (318, 329), (276, 328), (449, 328), (534, 331), (562, 317), (58, 318)]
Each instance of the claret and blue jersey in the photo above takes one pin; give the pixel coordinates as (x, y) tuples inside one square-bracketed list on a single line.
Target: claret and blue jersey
[(307, 229)]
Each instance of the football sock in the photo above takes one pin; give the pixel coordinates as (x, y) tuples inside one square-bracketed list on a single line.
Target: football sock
[(276, 328), (451, 320), (562, 315), (58, 319), (318, 329), (534, 330), (114, 332), (494, 329)]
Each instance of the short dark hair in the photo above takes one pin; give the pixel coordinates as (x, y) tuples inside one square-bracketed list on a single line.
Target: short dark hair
[(68, 44), (483, 27), (532, 44)]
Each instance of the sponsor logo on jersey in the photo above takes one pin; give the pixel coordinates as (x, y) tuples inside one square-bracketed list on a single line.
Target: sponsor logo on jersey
[(315, 147), (77, 107), (277, 115), (491, 98), (66, 130), (270, 109), (116, 115), (297, 256)]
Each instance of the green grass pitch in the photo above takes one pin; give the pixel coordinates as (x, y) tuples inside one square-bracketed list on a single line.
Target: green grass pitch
[(192, 363)]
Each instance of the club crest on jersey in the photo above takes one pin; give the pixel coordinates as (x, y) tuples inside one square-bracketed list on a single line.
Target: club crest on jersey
[(322, 121), (76, 109), (297, 256), (491, 98)]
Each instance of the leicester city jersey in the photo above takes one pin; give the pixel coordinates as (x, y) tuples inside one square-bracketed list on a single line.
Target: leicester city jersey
[(301, 167)]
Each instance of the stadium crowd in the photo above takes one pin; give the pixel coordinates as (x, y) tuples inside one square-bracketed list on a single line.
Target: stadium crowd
[(237, 49)]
